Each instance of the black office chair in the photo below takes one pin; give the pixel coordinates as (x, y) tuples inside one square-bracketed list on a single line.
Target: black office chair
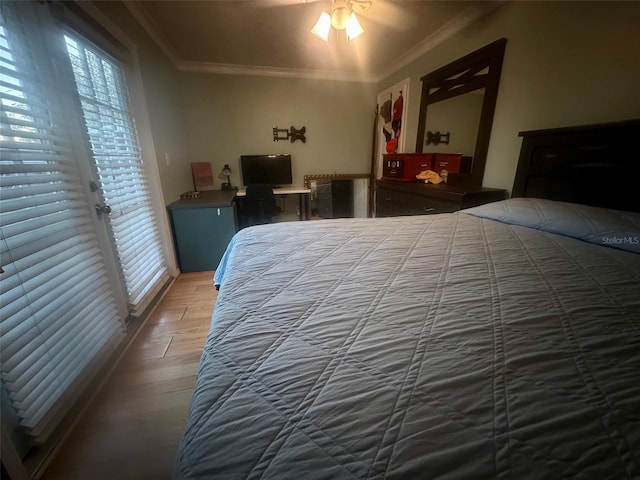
[(260, 204)]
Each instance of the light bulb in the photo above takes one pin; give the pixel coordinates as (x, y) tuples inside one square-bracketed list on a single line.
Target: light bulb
[(340, 17)]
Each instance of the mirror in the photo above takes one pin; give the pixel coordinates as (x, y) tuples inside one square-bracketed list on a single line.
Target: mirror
[(456, 110), (460, 117), (339, 195)]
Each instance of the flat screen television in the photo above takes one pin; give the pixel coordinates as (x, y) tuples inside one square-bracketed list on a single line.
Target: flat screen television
[(273, 170)]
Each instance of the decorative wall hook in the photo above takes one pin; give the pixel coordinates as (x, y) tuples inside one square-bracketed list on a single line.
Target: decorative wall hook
[(436, 138), (293, 134)]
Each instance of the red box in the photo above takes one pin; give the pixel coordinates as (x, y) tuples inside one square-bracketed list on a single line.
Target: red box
[(403, 167), (446, 161)]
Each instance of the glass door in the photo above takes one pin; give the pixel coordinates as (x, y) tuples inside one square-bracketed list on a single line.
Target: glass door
[(80, 245), (118, 169), (61, 310)]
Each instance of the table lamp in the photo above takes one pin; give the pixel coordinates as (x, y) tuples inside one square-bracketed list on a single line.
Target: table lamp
[(226, 172)]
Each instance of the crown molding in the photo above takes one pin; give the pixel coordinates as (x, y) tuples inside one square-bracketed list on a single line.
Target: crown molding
[(232, 69), (448, 30), (147, 23)]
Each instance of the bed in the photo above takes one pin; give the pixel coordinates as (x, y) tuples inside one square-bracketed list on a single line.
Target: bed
[(502, 341)]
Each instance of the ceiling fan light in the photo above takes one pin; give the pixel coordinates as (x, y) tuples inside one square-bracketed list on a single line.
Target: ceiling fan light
[(322, 27), (340, 17), (354, 28)]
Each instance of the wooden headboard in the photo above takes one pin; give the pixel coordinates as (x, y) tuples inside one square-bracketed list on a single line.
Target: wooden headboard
[(595, 165)]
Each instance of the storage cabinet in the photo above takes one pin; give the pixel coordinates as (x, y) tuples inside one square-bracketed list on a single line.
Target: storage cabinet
[(202, 228), (395, 198)]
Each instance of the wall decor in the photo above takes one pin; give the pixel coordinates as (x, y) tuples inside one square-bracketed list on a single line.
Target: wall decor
[(202, 176), (391, 117), (436, 138), (292, 134)]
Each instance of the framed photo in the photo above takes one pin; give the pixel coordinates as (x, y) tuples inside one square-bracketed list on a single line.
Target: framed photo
[(202, 176)]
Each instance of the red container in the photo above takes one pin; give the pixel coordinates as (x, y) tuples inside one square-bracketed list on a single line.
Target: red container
[(403, 167), (446, 161)]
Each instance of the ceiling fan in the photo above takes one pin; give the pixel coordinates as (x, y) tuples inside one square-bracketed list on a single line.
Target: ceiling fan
[(341, 16), (390, 14)]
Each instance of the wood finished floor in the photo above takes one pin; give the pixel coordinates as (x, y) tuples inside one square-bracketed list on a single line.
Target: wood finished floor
[(133, 426)]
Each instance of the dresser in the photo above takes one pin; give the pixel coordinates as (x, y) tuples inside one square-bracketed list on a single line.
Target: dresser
[(202, 228), (413, 198)]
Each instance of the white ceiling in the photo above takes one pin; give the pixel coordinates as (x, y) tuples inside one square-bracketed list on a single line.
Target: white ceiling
[(272, 37)]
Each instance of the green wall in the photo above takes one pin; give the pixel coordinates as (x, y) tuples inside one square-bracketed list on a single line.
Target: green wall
[(229, 115)]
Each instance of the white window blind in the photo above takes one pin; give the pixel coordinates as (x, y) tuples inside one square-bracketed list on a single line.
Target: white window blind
[(119, 166), (58, 317)]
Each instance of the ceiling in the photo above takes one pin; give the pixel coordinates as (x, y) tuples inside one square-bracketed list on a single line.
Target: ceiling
[(272, 37)]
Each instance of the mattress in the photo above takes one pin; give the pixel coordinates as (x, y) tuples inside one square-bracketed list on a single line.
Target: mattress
[(498, 342)]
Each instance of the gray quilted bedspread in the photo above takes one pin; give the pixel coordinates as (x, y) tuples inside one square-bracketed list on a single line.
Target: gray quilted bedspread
[(446, 346)]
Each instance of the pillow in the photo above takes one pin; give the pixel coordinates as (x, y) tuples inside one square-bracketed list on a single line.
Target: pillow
[(602, 226)]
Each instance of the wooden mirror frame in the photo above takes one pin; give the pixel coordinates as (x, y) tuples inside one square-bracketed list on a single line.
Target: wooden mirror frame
[(343, 176), (479, 69)]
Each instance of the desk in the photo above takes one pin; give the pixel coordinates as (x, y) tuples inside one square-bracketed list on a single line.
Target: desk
[(303, 198)]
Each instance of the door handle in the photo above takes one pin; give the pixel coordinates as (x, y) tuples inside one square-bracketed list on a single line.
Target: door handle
[(100, 209)]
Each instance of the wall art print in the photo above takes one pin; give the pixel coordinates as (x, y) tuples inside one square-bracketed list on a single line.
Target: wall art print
[(391, 109)]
